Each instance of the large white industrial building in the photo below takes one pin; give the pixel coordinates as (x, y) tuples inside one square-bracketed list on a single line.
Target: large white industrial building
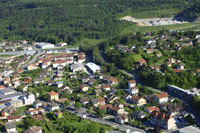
[(93, 67), (43, 45)]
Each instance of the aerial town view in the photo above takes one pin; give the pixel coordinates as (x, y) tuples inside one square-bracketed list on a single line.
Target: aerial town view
[(99, 66)]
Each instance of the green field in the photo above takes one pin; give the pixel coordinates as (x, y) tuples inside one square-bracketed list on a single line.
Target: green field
[(137, 57)]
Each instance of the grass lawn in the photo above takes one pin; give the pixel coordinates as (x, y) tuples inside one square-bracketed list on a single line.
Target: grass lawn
[(89, 41), (137, 57), (21, 110)]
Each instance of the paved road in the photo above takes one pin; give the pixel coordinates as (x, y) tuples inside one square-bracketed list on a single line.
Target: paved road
[(18, 52), (39, 53), (102, 121)]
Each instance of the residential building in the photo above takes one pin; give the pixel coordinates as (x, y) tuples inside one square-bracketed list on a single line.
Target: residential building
[(139, 114), (84, 87), (164, 120), (121, 118), (131, 83), (53, 96), (162, 98), (151, 109), (78, 67), (10, 127), (35, 111), (28, 98), (133, 90), (14, 118), (7, 111), (139, 101), (84, 100), (106, 87), (112, 80), (34, 129)]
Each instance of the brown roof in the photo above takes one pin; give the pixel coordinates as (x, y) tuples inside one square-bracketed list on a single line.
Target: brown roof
[(35, 110), (142, 61), (132, 81), (59, 61), (153, 108), (101, 99), (2, 86), (37, 117), (13, 117), (163, 95), (135, 98), (160, 116), (177, 70), (112, 79), (105, 86), (83, 85), (104, 106), (52, 93)]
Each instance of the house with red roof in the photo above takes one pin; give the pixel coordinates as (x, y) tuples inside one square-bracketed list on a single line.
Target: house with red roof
[(53, 96), (163, 120), (162, 98), (151, 109)]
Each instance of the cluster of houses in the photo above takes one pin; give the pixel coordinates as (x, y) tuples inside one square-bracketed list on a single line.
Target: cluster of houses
[(11, 46), (39, 109), (53, 67)]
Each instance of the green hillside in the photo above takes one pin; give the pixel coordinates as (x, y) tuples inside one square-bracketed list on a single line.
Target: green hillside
[(190, 14), (74, 20)]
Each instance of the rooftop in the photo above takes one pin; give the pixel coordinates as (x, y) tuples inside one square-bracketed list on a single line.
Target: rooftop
[(189, 129)]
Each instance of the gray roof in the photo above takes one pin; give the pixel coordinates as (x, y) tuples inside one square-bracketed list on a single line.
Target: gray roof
[(6, 90), (77, 66), (10, 125), (10, 96), (189, 129), (33, 129)]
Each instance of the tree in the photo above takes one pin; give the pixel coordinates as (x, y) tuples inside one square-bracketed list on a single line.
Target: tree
[(78, 105), (101, 112), (67, 103), (19, 88)]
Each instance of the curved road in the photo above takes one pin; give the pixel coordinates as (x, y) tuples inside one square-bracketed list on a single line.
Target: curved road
[(39, 53)]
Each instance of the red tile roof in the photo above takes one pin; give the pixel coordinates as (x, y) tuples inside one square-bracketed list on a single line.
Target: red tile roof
[(53, 93), (153, 108), (163, 95), (101, 99)]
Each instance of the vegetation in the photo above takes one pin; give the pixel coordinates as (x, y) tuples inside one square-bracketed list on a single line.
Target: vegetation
[(68, 123), (72, 20), (190, 14)]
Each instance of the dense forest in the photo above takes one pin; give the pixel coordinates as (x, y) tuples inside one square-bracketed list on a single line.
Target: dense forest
[(73, 20), (190, 14)]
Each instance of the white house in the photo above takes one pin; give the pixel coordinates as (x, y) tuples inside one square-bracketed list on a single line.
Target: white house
[(162, 98), (133, 90), (28, 98), (131, 83), (10, 127)]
